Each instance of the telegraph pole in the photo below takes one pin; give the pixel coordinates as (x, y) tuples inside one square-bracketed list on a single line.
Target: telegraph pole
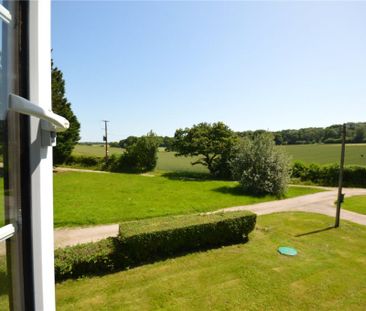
[(340, 180), (105, 138)]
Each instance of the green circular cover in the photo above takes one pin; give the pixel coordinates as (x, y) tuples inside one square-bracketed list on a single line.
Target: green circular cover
[(288, 251)]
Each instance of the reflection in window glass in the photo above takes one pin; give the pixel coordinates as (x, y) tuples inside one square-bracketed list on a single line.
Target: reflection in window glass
[(3, 67), (4, 280), (4, 301), (2, 91)]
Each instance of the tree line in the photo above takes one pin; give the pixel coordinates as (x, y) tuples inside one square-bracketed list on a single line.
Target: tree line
[(253, 161), (356, 133), (162, 141)]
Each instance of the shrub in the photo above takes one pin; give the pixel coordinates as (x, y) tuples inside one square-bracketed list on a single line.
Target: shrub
[(112, 164), (140, 156), (260, 167), (114, 144), (153, 239), (84, 161), (299, 170), (327, 175), (332, 141)]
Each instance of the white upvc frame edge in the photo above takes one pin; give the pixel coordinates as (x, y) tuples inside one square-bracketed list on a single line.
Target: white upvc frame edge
[(41, 156)]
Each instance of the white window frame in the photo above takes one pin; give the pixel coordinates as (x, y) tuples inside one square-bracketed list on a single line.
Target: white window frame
[(31, 248), (41, 157)]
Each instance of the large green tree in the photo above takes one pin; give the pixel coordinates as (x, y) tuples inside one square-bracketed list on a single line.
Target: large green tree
[(60, 105), (211, 143)]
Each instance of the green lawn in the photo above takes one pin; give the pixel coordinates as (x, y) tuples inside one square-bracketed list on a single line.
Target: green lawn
[(355, 204), (91, 198), (328, 274)]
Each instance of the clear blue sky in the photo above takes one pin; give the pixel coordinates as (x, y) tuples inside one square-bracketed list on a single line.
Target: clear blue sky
[(252, 65)]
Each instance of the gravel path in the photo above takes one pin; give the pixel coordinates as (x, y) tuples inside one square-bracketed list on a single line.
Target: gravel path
[(72, 236), (69, 169), (321, 203)]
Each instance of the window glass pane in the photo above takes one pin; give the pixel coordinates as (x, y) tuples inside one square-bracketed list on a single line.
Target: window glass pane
[(3, 68), (4, 281), (2, 109)]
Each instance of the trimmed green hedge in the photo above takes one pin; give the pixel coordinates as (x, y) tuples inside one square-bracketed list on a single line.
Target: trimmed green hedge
[(327, 175), (152, 239), (85, 161), (85, 259)]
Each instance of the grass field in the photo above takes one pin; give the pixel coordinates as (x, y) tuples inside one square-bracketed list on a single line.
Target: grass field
[(321, 154), (326, 154), (94, 150), (355, 204), (327, 274), (90, 198), (167, 161)]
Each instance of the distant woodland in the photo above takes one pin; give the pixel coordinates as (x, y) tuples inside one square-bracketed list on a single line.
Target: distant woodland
[(356, 133)]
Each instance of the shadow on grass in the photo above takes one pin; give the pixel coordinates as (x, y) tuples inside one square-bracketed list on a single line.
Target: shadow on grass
[(315, 231), (118, 260), (188, 176), (236, 191)]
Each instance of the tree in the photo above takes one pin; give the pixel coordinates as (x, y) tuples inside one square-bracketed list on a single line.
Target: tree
[(140, 155), (260, 167), (359, 135), (212, 143), (60, 105), (114, 144), (130, 140)]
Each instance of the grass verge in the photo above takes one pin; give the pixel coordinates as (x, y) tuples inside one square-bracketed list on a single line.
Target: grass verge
[(327, 274), (355, 204)]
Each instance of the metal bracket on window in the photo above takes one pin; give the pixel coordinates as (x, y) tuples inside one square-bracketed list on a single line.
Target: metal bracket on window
[(6, 232), (5, 14), (51, 123)]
